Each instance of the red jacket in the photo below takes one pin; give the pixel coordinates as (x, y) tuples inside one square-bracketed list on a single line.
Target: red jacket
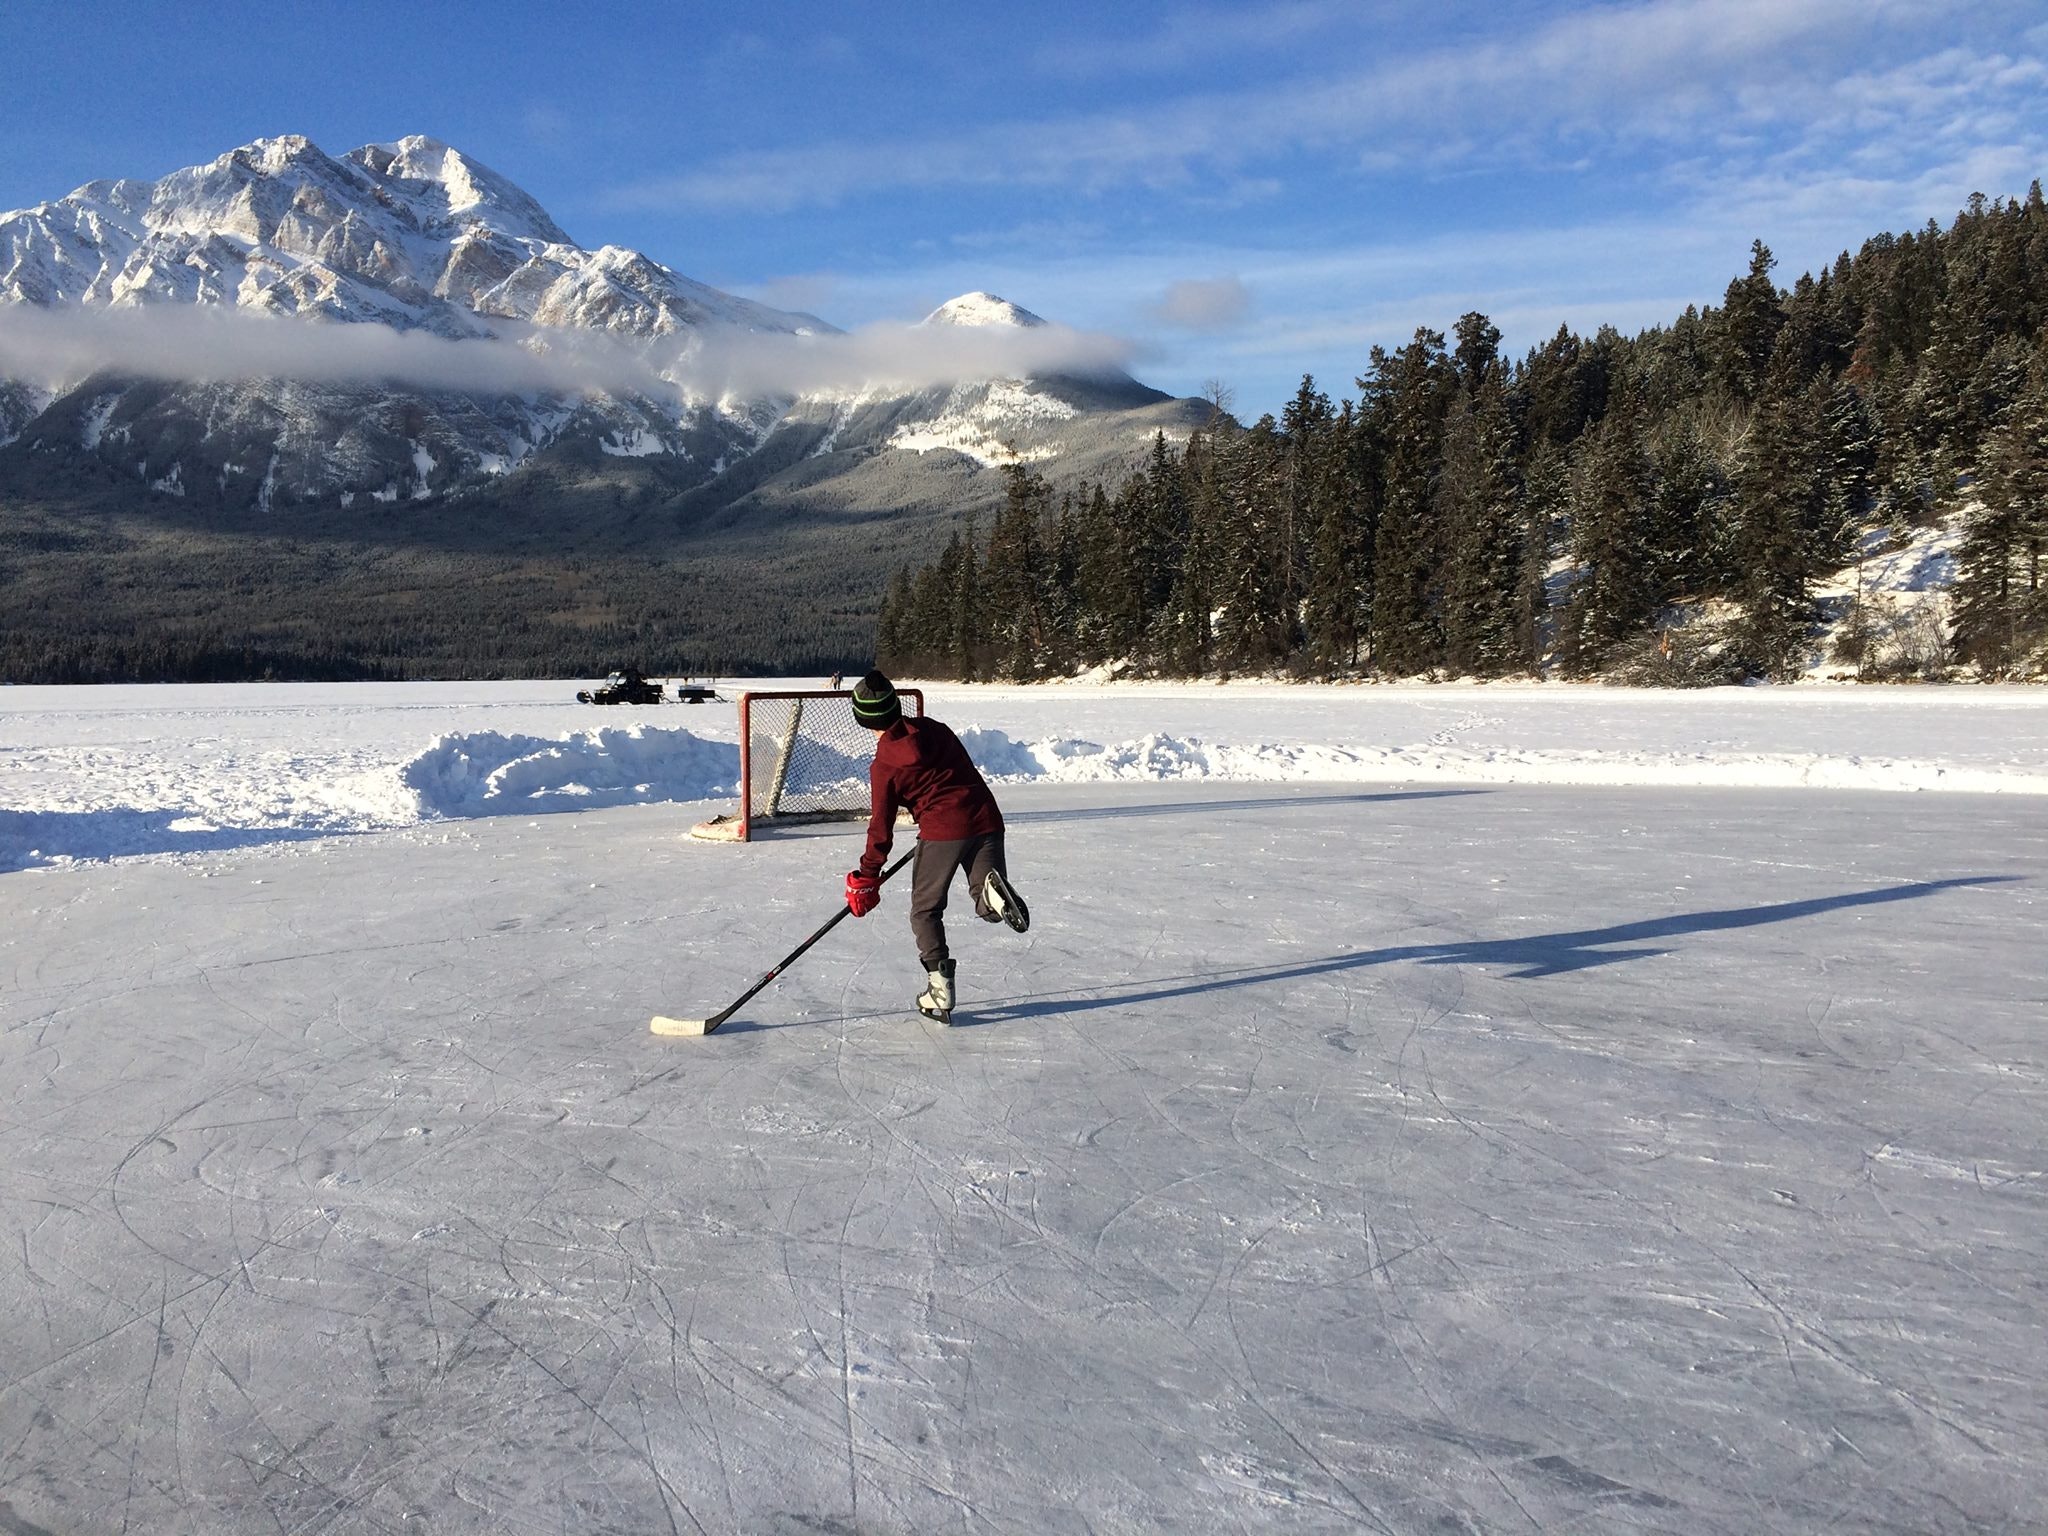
[(920, 763)]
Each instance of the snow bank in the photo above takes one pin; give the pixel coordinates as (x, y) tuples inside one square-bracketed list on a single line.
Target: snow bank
[(488, 773), (92, 774), (285, 796), (1068, 761)]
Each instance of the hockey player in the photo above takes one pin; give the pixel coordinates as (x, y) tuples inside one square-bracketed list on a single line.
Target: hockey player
[(921, 765)]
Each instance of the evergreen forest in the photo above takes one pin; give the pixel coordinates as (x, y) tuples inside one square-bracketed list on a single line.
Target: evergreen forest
[(1655, 508)]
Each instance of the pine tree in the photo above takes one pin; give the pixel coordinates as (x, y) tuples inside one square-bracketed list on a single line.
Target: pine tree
[(1062, 590), (1567, 390), (2002, 581), (1336, 602), (1752, 314), (894, 639), (1777, 427), (1248, 501), (1013, 578), (1479, 503), (1185, 637), (1611, 508), (1307, 423), (1478, 347), (1546, 486), (1101, 583), (961, 588), (928, 642), (1781, 507), (1689, 553), (1164, 529), (1410, 390)]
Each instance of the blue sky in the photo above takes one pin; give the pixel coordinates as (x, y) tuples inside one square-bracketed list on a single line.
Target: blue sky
[(1243, 192)]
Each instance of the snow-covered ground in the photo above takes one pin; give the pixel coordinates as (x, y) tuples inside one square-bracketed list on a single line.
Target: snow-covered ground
[(89, 773), (1489, 1109)]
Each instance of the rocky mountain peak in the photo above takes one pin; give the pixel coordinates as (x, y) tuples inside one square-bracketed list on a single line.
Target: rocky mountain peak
[(452, 190)]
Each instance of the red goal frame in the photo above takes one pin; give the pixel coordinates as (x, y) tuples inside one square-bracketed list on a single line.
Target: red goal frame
[(741, 825)]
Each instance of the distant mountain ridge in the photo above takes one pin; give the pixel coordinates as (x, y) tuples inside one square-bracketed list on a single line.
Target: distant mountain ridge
[(416, 236), (275, 521), (412, 233)]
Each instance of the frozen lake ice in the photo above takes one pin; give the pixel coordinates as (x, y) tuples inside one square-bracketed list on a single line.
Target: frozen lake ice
[(1406, 1156)]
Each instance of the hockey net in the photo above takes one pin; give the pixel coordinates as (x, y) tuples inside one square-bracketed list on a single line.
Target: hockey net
[(803, 758)]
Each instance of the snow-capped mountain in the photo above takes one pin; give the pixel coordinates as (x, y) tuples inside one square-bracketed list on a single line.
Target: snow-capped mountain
[(867, 451), (982, 309), (421, 240), (412, 236)]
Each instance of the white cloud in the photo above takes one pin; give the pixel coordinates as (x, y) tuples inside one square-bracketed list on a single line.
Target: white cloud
[(890, 356), (1204, 304), (64, 346), (1189, 34), (205, 346), (1658, 71)]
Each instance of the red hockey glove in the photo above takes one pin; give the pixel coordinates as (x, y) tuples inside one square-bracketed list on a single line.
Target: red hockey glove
[(863, 893)]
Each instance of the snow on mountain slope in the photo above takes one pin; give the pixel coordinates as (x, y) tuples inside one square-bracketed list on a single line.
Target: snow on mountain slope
[(981, 309), (419, 239), (983, 422), (1022, 417), (413, 236), (412, 233)]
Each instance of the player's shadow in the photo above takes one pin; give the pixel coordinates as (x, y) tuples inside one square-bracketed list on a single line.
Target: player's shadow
[(1202, 807), (1532, 956)]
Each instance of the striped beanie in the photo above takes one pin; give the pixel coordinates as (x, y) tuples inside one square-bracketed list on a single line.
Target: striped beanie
[(874, 702)]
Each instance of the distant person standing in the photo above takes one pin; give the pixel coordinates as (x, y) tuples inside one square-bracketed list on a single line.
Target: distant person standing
[(921, 766)]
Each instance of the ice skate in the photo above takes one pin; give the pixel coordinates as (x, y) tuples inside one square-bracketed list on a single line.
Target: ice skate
[(1004, 901), (936, 1000)]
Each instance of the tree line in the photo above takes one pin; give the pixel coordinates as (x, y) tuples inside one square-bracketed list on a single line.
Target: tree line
[(91, 599), (1475, 515)]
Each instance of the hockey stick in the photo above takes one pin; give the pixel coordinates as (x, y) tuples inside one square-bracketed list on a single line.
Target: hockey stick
[(667, 1026)]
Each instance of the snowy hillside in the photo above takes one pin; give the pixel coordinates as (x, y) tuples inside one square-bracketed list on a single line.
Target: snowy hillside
[(1372, 1132)]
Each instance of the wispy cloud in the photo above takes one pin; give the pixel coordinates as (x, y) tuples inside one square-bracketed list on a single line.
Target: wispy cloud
[(1204, 304), (1191, 34), (211, 346), (1655, 71), (887, 357), (67, 345)]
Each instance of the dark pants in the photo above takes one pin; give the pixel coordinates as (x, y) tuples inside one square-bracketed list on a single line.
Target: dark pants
[(932, 871)]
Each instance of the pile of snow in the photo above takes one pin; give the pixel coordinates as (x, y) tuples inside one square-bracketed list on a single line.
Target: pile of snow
[(100, 773), (1069, 761), (487, 773)]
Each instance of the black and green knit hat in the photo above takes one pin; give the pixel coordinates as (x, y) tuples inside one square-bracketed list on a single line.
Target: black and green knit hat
[(874, 702)]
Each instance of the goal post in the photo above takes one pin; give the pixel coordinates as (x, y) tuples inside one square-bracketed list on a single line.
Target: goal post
[(803, 758)]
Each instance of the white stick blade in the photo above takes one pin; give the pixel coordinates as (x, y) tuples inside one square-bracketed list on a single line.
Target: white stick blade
[(665, 1026)]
